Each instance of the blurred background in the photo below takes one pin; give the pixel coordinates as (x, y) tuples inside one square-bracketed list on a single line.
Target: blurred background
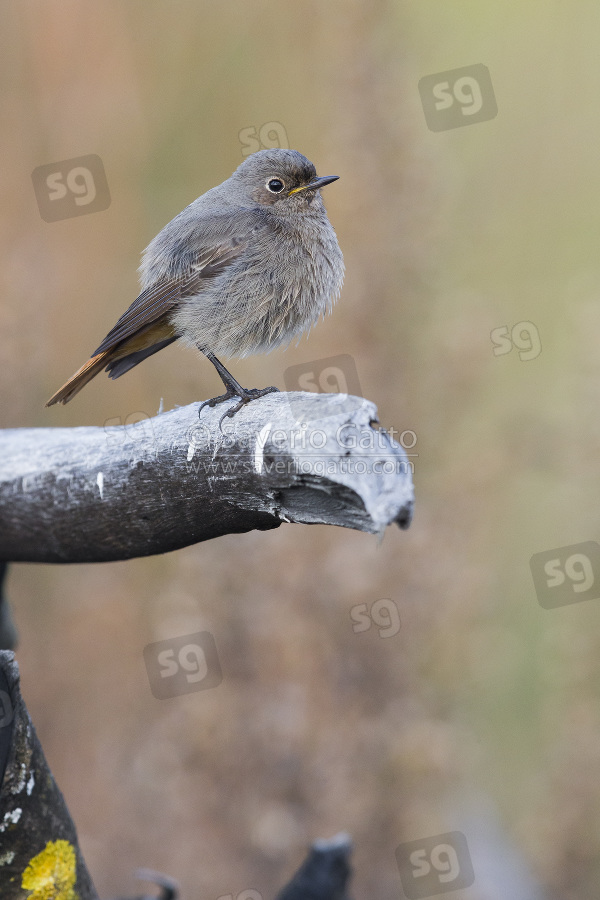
[(481, 713)]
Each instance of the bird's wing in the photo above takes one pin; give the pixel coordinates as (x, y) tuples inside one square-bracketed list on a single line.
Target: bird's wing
[(165, 294)]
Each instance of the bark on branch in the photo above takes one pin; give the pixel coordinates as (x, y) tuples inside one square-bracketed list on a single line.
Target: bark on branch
[(98, 494), (39, 851)]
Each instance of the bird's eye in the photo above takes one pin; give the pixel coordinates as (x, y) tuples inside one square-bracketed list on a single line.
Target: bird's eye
[(275, 185)]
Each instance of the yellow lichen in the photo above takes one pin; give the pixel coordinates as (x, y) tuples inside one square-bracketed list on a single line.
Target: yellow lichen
[(51, 874)]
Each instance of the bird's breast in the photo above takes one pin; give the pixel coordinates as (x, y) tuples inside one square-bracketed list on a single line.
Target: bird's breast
[(288, 276)]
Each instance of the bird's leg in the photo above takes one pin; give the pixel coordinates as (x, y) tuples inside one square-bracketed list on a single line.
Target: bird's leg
[(233, 389)]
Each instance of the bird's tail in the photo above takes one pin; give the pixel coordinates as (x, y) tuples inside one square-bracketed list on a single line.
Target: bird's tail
[(80, 378)]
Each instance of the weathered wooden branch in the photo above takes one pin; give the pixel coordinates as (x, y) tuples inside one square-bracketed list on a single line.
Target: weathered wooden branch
[(39, 851), (97, 494), (324, 874)]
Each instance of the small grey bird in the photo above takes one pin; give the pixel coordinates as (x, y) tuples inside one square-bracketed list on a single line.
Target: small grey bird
[(245, 268)]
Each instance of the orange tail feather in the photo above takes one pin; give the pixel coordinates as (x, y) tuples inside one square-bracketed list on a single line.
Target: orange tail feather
[(80, 378)]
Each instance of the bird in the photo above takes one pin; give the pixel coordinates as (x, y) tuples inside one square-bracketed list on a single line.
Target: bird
[(245, 268)]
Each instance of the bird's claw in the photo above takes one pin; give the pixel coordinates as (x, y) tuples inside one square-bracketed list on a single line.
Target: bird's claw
[(214, 400), (247, 396)]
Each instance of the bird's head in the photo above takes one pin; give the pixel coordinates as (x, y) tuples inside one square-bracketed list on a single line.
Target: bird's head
[(283, 179)]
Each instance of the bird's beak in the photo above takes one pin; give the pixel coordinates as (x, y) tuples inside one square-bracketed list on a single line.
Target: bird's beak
[(315, 184)]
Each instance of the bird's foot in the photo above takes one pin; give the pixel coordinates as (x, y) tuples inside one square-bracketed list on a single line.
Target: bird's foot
[(246, 395), (213, 402)]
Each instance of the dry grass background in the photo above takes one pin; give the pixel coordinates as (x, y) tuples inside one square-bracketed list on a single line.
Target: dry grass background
[(484, 700)]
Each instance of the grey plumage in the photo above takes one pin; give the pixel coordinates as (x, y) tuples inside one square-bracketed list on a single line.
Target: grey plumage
[(245, 268), (279, 266)]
